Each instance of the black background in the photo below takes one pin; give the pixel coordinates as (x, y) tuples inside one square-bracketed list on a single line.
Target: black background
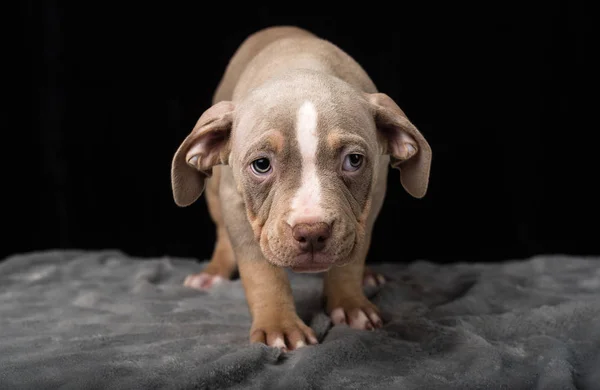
[(501, 92)]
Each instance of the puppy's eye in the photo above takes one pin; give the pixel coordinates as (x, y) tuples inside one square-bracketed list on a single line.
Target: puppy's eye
[(352, 162), (261, 166)]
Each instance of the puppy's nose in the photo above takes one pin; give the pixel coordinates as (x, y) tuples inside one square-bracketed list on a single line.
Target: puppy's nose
[(311, 237)]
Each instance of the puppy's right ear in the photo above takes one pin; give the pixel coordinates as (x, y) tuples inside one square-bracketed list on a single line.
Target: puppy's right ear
[(206, 146)]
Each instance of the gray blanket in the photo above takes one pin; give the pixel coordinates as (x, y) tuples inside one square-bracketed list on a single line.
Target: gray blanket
[(104, 320)]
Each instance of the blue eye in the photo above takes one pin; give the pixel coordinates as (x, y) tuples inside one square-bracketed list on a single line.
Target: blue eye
[(261, 166), (352, 162)]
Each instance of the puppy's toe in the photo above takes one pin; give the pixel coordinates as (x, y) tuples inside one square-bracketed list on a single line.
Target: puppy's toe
[(338, 316), (364, 319), (359, 316), (277, 340), (371, 278), (285, 335), (202, 281)]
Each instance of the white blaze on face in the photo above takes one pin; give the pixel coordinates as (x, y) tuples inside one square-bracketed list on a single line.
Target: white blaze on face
[(306, 204)]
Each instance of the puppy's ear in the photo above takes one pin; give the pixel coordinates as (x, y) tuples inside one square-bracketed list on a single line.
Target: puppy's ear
[(409, 151), (206, 146)]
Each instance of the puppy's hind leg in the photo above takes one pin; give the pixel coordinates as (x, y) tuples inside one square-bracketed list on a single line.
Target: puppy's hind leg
[(222, 265)]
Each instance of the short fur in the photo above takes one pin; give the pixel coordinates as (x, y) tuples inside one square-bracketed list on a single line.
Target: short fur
[(276, 76)]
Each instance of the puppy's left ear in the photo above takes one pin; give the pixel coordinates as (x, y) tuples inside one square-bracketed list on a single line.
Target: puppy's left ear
[(409, 151), (206, 146)]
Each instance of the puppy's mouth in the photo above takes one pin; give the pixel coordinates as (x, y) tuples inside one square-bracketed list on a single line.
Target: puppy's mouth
[(311, 268), (312, 262)]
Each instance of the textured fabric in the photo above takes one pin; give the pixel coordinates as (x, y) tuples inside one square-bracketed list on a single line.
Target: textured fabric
[(85, 320)]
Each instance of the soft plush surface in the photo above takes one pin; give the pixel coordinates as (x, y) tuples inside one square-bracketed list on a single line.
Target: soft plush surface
[(104, 320)]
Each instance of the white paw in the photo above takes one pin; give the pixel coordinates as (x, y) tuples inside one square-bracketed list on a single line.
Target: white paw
[(365, 319), (286, 333), (374, 279), (202, 281)]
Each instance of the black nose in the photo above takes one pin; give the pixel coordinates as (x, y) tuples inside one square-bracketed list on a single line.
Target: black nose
[(311, 237)]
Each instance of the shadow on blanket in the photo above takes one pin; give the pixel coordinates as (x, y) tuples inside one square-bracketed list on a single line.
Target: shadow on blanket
[(105, 320)]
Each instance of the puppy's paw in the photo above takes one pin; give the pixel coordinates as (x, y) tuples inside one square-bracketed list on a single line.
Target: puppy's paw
[(202, 281), (372, 278), (287, 332), (358, 313)]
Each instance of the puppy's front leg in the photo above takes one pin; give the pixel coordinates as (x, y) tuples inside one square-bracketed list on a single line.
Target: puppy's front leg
[(346, 301), (269, 295)]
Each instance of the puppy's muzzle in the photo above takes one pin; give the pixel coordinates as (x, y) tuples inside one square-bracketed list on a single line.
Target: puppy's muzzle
[(312, 242)]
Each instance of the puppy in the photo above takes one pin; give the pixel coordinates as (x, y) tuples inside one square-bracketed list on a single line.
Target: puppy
[(294, 156)]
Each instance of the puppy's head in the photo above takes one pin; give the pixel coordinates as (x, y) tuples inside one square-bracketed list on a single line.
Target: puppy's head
[(305, 150)]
